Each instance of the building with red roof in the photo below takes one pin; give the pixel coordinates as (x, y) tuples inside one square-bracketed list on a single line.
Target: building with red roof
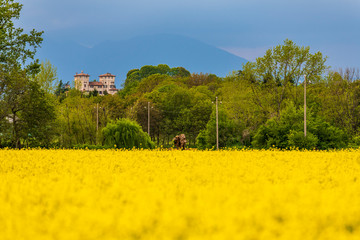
[(105, 85)]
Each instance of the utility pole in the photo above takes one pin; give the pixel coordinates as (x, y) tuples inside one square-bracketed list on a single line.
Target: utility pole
[(217, 125), (97, 118), (97, 122), (149, 118), (305, 106)]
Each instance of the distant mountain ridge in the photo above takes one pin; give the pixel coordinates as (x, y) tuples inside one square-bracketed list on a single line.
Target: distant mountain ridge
[(118, 57)]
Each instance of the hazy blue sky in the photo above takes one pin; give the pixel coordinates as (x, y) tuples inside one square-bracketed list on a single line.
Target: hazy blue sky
[(245, 28)]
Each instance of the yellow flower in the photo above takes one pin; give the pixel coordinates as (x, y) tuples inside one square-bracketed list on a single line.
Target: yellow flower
[(164, 194)]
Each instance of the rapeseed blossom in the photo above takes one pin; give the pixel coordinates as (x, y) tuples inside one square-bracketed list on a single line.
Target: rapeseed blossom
[(143, 194)]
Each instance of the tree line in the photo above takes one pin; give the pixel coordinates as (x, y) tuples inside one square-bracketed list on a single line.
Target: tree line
[(260, 106)]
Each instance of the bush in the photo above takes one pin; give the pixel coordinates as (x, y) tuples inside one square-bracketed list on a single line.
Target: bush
[(288, 131), (124, 133), (90, 147), (201, 140), (229, 133), (297, 139), (355, 141)]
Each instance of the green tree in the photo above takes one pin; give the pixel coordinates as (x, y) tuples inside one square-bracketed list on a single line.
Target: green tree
[(163, 69), (47, 77), (29, 111), (61, 90), (93, 93), (339, 100), (135, 76), (15, 46), (12, 105), (229, 132), (131, 72), (124, 133), (114, 106), (149, 83), (16, 51), (200, 79), (132, 78), (194, 117), (281, 68), (77, 120), (288, 131), (237, 96), (139, 112), (38, 117), (179, 72), (149, 70)]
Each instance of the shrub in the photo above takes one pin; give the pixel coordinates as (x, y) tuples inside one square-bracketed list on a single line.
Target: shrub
[(229, 132), (288, 131), (124, 133), (297, 139)]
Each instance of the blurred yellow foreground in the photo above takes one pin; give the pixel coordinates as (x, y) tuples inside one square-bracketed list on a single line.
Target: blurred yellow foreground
[(140, 194)]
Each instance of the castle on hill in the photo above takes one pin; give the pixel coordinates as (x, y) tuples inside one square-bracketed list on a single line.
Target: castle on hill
[(106, 83)]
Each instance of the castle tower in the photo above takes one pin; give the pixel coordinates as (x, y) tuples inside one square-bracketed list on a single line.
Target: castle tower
[(108, 81), (82, 81)]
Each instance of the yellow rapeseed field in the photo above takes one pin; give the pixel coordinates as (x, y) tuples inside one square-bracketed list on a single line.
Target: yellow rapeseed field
[(141, 194)]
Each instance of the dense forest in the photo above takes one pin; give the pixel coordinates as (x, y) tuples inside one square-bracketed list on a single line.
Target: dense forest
[(259, 106)]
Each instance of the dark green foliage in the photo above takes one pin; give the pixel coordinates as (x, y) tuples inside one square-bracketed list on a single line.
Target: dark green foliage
[(61, 89), (288, 131), (275, 76), (91, 147), (28, 112), (148, 70), (179, 72), (15, 46), (297, 139), (131, 71), (136, 75), (151, 82), (93, 93), (132, 77), (25, 108), (124, 133), (355, 142), (229, 132), (38, 117), (129, 88)]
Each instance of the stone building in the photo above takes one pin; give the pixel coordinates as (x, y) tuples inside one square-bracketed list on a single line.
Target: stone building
[(106, 83)]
